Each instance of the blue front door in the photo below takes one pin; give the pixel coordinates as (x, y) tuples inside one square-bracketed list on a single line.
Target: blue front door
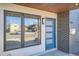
[(50, 34)]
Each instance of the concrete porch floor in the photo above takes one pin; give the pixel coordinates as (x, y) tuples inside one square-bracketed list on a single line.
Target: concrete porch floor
[(56, 53)]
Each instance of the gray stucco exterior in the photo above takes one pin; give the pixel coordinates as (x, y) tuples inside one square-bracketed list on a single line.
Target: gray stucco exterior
[(74, 37)]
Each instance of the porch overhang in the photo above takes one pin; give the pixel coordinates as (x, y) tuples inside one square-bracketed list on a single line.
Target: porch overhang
[(51, 7)]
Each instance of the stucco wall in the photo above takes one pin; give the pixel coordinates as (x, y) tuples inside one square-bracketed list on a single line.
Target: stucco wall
[(74, 37), (28, 50)]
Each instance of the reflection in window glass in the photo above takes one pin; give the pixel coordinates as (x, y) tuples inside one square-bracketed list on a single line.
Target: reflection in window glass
[(31, 36), (13, 32), (21, 31)]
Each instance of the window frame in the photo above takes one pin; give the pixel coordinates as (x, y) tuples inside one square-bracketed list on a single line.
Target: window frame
[(22, 29)]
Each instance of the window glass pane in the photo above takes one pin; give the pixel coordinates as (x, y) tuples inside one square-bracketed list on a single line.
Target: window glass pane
[(49, 23), (49, 35), (49, 41), (49, 29), (13, 32), (31, 36)]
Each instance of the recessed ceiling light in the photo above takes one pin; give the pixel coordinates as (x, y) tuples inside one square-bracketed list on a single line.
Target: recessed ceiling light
[(76, 4)]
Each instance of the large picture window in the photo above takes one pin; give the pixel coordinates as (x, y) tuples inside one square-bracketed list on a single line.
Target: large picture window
[(21, 30)]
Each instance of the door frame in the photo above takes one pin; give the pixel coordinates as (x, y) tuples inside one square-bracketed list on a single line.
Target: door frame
[(55, 32)]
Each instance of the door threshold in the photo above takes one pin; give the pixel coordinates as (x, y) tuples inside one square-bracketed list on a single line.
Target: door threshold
[(44, 52)]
